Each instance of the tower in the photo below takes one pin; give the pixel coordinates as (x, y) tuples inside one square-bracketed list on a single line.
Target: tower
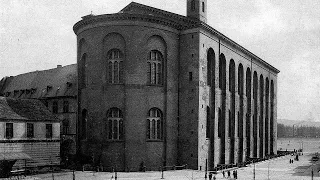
[(197, 9)]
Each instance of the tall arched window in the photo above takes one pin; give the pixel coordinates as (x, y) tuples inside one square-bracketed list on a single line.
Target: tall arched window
[(154, 123), (84, 124), (115, 124), (208, 123), (83, 74), (155, 68), (210, 67), (222, 72), (115, 66), (272, 98), (221, 127)]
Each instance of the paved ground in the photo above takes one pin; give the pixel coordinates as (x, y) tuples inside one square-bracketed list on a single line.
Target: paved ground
[(275, 169)]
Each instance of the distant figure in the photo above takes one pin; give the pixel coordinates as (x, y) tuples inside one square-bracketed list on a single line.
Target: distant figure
[(229, 174), (210, 176), (224, 175), (234, 174)]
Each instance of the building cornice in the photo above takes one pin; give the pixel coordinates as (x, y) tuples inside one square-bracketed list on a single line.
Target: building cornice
[(239, 47), (173, 23)]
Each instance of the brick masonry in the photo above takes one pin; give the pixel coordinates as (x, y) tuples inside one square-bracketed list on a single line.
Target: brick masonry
[(183, 98)]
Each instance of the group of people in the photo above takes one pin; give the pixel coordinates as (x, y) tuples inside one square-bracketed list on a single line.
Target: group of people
[(234, 173)]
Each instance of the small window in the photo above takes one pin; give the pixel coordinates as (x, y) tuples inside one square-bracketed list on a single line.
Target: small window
[(48, 130), (193, 5), (203, 6), (30, 130), (65, 106), (9, 130), (65, 126), (55, 107), (190, 76)]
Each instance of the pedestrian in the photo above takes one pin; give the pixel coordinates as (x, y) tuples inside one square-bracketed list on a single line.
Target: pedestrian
[(224, 175), (210, 175), (229, 174), (234, 174)]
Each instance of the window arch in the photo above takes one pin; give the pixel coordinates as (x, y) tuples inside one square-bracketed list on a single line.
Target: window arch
[(115, 124), (154, 124), (115, 66), (155, 68)]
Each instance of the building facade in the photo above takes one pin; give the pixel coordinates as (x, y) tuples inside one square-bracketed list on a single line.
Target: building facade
[(156, 88), (57, 89), (29, 134)]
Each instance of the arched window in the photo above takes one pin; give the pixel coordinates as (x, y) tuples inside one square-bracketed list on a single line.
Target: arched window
[(221, 127), (208, 123), (222, 72), (210, 67), (155, 68), (154, 123), (83, 74), (115, 124), (115, 66), (84, 124)]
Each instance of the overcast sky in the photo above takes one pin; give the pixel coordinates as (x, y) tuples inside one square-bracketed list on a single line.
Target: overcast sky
[(38, 35)]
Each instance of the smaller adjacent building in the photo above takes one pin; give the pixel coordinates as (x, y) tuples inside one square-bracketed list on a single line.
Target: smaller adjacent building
[(29, 134), (57, 89)]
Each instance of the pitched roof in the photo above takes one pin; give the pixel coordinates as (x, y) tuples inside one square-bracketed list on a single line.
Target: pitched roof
[(60, 81), (136, 11), (24, 109)]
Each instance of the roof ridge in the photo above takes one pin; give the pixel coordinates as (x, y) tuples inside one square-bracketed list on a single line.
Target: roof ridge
[(158, 10)]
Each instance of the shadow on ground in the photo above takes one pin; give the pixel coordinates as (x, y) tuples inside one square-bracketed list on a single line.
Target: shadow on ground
[(306, 170)]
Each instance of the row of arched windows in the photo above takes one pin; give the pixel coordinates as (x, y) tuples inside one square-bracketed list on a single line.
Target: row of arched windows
[(262, 89), (115, 124), (115, 67)]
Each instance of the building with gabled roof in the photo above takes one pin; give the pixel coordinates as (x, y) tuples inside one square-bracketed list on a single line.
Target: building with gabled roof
[(161, 89), (29, 134), (57, 89)]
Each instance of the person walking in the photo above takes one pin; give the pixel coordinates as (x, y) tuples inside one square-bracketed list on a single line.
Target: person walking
[(228, 174), (224, 175)]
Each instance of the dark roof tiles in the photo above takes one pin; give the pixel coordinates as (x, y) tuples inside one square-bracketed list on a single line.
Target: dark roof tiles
[(24, 109), (57, 79)]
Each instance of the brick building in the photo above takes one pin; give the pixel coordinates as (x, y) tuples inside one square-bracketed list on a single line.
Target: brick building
[(158, 88), (57, 89)]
